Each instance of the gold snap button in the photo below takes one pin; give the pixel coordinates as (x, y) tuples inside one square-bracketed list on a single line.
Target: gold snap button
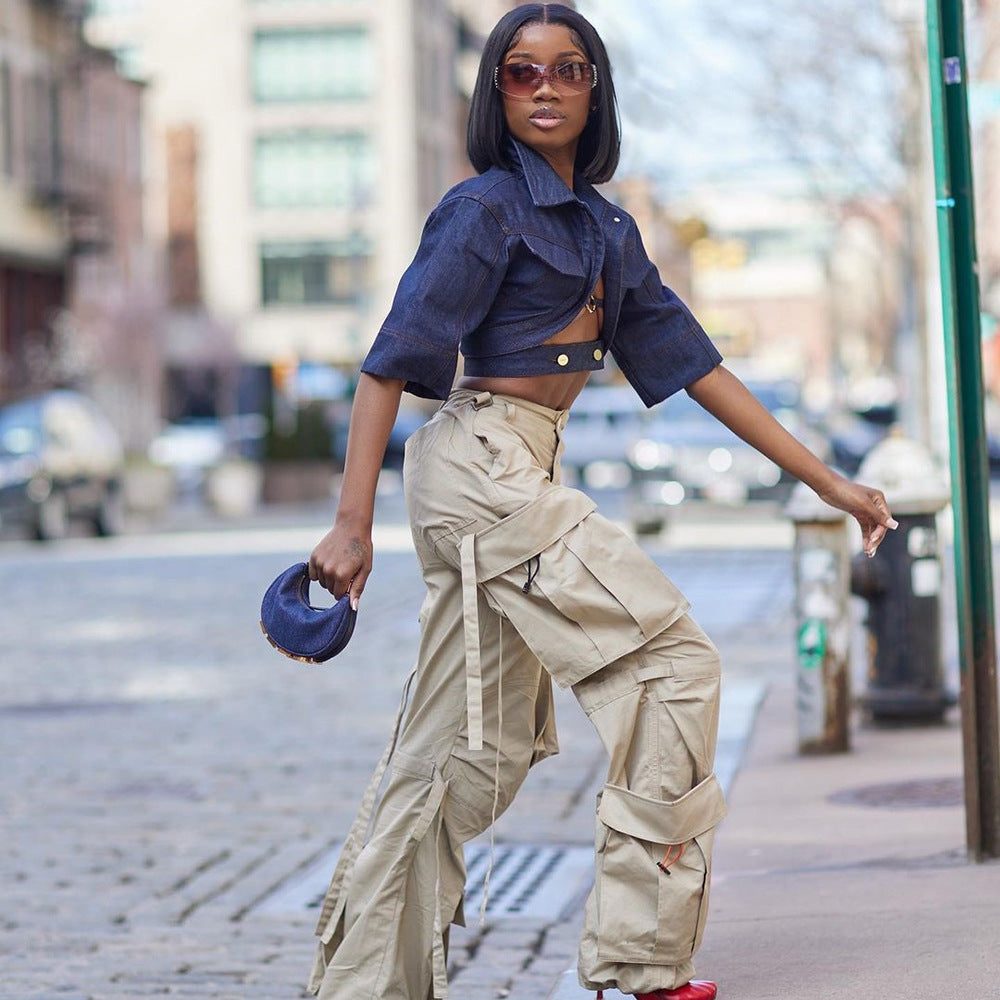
[(563, 359), (598, 354)]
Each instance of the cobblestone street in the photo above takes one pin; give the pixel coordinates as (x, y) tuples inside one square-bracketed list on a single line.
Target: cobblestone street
[(166, 773)]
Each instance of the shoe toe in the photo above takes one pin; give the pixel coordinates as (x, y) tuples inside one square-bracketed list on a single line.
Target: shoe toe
[(696, 989)]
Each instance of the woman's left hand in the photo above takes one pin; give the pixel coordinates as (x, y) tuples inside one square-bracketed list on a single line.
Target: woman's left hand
[(866, 505)]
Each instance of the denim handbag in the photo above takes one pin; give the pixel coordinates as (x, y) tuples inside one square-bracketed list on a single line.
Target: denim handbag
[(297, 629)]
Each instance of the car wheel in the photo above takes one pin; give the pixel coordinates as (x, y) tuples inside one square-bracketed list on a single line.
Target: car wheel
[(53, 517), (110, 517)]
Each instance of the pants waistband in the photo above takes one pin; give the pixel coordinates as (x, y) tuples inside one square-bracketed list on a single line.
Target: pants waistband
[(553, 416)]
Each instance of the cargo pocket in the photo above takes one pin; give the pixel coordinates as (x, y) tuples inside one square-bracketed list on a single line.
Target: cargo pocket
[(508, 556), (410, 766), (599, 578), (579, 591), (648, 914), (685, 697)]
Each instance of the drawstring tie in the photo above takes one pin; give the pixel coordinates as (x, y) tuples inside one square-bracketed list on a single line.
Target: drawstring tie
[(669, 858), (531, 575)]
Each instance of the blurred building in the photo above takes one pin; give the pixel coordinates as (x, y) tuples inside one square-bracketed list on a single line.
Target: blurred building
[(796, 289), (294, 150), (667, 240), (474, 19), (759, 282), (71, 250)]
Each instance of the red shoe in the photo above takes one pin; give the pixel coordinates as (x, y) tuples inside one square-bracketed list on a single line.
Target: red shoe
[(696, 989)]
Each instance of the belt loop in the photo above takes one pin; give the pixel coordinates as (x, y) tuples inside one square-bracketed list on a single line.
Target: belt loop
[(482, 399)]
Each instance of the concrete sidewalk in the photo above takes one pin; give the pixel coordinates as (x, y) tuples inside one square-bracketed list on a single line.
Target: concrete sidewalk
[(845, 876), (818, 895)]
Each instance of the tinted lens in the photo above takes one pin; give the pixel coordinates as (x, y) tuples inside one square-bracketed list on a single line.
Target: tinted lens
[(573, 77), (523, 79), (520, 79)]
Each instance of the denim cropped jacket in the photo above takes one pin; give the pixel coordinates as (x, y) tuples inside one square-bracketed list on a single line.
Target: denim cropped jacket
[(508, 258)]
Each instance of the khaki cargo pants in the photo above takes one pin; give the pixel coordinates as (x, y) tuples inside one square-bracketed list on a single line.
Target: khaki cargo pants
[(528, 583)]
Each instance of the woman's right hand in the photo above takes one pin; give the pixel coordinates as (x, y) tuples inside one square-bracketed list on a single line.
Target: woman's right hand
[(342, 560)]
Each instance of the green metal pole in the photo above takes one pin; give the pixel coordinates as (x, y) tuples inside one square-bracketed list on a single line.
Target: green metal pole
[(967, 433)]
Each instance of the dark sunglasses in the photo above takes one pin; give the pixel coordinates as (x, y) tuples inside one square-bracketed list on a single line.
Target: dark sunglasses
[(521, 80)]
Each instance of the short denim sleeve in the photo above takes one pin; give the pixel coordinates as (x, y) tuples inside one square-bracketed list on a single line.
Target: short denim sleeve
[(444, 293), (659, 345)]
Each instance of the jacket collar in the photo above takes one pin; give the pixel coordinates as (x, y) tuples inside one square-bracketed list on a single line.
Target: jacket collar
[(544, 184)]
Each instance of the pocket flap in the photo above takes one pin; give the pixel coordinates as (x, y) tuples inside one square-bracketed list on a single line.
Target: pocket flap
[(526, 532), (413, 767), (565, 261), (664, 822), (629, 573)]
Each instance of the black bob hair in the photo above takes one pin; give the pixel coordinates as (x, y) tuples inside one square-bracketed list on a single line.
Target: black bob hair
[(600, 142)]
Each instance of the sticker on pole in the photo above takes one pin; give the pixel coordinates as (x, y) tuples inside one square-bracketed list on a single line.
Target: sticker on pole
[(812, 643), (810, 700)]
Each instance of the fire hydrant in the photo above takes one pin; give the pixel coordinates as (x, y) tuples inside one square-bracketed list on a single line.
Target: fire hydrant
[(823, 622), (902, 585)]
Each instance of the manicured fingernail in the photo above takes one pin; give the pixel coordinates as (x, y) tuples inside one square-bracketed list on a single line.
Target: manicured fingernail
[(893, 523), (354, 604)]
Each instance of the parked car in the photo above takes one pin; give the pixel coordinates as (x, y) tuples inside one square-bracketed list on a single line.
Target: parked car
[(189, 448), (852, 434), (407, 421), (192, 447), (60, 459), (603, 421), (685, 452)]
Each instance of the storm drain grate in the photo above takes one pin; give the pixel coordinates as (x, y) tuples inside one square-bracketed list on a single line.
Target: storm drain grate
[(528, 880), (926, 793)]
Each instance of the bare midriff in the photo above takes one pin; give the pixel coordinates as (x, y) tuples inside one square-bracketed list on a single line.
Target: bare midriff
[(555, 391)]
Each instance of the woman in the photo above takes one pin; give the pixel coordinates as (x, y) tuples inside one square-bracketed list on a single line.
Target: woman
[(534, 275)]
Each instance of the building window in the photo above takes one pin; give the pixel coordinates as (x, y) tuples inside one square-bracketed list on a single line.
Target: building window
[(311, 64), (315, 273), (43, 147), (312, 168)]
